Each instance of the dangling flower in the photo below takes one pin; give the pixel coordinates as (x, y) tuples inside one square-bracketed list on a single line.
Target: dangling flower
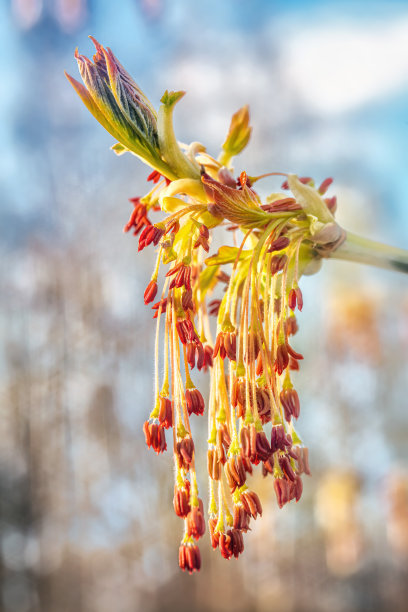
[(251, 288)]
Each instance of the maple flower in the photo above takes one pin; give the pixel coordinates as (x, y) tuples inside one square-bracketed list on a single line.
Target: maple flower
[(250, 287)]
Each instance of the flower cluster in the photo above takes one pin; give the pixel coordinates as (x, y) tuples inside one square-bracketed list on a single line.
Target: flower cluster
[(232, 313)]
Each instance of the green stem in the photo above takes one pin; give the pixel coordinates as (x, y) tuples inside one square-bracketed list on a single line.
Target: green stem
[(361, 250)]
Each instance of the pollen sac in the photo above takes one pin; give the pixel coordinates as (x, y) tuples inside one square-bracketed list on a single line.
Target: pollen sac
[(290, 402), (213, 464), (181, 500), (189, 558), (231, 543), (279, 439), (185, 452), (196, 522), (251, 503), (150, 292), (166, 412), (235, 472), (226, 346), (195, 402), (155, 437), (241, 518)]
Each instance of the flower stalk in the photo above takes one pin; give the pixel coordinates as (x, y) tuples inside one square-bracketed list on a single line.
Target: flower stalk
[(246, 293)]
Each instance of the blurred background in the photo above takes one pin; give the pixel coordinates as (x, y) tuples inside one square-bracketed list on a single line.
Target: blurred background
[(86, 520)]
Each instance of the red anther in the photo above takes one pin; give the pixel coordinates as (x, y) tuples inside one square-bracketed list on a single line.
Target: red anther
[(165, 412), (290, 402), (187, 300), (154, 176), (181, 501), (195, 402), (299, 298), (298, 488), (241, 518), (213, 307), (146, 237), (286, 468), (291, 326), (190, 354), (285, 204), (282, 490), (235, 472), (293, 364), (292, 352), (303, 461), (146, 431), (204, 231), (155, 437), (174, 269), (237, 542), (324, 186), (182, 331), (278, 262), (280, 243), (156, 307), (292, 299), (189, 558), (219, 345), (247, 464), (208, 357), (243, 178), (331, 204), (150, 292), (268, 466), (251, 503), (200, 356), (187, 449), (213, 465), (225, 545), (245, 438), (187, 277), (230, 345), (196, 522), (279, 440), (282, 358), (138, 218), (215, 535)]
